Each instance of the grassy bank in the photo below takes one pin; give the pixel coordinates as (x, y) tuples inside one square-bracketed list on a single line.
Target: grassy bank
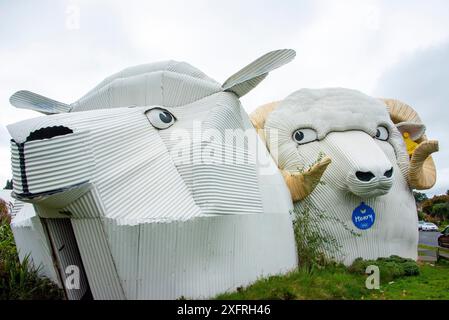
[(337, 282)]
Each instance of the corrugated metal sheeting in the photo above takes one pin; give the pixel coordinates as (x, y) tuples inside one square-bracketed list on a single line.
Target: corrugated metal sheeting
[(66, 251), (201, 257), (31, 239), (148, 222), (346, 122)]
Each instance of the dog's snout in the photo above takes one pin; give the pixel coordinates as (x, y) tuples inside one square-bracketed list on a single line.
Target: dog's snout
[(48, 132), (365, 176)]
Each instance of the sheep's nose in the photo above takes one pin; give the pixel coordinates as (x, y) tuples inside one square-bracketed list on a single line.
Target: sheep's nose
[(364, 176), (368, 176), (388, 173)]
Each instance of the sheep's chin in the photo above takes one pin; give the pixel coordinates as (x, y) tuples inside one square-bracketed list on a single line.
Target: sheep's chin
[(377, 187), (371, 189), (369, 194)]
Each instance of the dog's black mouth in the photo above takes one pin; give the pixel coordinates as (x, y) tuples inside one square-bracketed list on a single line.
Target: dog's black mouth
[(40, 134), (30, 196)]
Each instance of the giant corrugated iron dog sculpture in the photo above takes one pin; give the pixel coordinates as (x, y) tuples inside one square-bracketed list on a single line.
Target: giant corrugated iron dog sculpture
[(154, 184)]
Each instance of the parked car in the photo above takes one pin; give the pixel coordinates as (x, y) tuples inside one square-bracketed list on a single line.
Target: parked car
[(443, 245), (420, 224), (429, 226), (443, 240)]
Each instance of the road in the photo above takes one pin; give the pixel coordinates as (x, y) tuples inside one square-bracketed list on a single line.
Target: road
[(429, 238)]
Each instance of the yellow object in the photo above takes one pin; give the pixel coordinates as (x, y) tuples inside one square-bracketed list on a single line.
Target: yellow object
[(422, 170), (409, 143)]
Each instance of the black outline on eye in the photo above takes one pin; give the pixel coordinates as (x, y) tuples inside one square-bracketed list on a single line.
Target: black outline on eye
[(303, 143), (162, 110), (377, 131)]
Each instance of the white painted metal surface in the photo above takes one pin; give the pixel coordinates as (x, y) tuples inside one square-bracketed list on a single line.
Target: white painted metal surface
[(159, 210), (345, 122)]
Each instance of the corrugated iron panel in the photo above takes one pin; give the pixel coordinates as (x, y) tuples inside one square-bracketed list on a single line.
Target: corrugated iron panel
[(55, 163), (87, 206), (169, 84), (250, 76), (206, 256), (124, 244), (98, 262), (29, 100), (31, 240), (66, 250), (15, 164)]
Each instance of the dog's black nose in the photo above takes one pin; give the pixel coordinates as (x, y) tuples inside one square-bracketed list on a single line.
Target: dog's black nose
[(49, 132)]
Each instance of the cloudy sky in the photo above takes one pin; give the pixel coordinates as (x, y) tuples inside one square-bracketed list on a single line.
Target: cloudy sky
[(390, 48)]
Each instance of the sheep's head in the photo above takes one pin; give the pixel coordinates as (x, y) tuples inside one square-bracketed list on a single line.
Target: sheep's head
[(361, 137)]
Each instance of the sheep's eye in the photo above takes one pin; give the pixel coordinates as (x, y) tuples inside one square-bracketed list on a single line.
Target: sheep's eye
[(382, 134), (160, 118), (303, 136)]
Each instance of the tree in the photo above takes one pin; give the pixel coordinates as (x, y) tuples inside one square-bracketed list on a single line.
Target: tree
[(419, 196), (8, 185), (4, 213), (441, 210)]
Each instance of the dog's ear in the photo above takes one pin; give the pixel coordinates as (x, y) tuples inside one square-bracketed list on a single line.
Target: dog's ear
[(250, 76), (33, 101)]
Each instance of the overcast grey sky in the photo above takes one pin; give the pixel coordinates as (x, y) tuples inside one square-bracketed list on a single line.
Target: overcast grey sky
[(390, 48)]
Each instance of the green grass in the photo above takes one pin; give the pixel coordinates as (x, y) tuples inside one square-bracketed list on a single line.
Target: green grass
[(427, 247), (337, 282), (432, 283), (332, 282), (432, 248), (20, 281)]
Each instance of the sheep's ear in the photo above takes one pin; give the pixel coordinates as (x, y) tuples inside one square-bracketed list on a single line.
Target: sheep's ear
[(33, 101), (415, 130), (250, 76)]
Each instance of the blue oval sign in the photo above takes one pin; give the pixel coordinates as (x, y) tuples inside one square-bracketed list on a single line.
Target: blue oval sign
[(363, 216)]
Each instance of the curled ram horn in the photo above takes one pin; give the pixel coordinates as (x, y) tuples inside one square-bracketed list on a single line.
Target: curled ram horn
[(422, 172), (300, 184), (259, 116)]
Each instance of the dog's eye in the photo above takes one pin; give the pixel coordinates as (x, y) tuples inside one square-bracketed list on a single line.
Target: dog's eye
[(160, 118), (303, 136)]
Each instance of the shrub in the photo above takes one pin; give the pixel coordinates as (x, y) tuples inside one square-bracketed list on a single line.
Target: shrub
[(315, 247), (428, 204), (21, 281), (421, 215), (310, 242), (420, 197), (411, 268), (433, 219), (4, 212), (440, 210), (390, 268), (281, 294)]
